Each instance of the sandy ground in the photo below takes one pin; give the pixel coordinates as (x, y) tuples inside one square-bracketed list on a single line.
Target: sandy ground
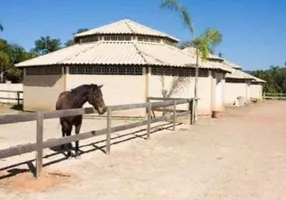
[(241, 155)]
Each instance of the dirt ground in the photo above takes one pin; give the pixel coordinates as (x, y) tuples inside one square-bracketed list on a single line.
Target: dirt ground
[(241, 155)]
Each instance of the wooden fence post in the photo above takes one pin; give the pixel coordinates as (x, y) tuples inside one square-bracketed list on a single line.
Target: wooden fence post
[(18, 98), (174, 115), (149, 120), (146, 109), (39, 146), (191, 111), (108, 134)]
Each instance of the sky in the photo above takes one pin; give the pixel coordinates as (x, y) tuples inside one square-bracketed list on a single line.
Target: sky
[(254, 31)]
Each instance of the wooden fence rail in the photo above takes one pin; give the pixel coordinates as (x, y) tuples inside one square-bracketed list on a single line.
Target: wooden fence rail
[(164, 109), (40, 116), (274, 96), (12, 98)]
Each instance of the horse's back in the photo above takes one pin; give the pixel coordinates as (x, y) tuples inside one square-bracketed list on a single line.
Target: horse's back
[(60, 104)]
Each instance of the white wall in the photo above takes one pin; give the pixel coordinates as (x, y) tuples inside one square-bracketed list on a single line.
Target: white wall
[(233, 90), (219, 93), (11, 87), (116, 90), (186, 91), (42, 91), (256, 91)]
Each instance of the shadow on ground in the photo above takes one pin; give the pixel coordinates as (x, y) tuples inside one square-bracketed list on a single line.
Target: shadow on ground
[(16, 169)]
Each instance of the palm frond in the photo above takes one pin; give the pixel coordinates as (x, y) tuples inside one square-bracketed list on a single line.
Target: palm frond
[(213, 37), (171, 4), (202, 45), (174, 5), (204, 49), (187, 19), (177, 85)]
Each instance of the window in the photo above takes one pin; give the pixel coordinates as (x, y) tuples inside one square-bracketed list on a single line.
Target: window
[(107, 70), (178, 71), (203, 73), (168, 71), (149, 39), (117, 38), (107, 38), (48, 70), (89, 39)]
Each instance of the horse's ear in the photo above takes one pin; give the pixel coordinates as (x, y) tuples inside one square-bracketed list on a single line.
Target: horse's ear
[(100, 86)]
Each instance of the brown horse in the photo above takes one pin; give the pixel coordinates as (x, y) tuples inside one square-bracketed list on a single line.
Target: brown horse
[(76, 98)]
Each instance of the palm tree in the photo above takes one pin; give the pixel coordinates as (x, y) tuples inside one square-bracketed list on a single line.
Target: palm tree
[(207, 42), (203, 44)]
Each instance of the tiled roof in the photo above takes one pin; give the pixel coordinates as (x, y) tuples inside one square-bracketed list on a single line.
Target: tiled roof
[(192, 52), (237, 74), (118, 53), (234, 72), (125, 26), (235, 66)]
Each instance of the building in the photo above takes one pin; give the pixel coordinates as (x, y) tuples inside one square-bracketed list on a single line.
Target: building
[(210, 88), (131, 60), (238, 83)]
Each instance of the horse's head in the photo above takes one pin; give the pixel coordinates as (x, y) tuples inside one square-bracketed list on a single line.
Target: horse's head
[(95, 98)]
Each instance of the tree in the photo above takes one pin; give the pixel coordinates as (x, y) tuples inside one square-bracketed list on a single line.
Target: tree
[(275, 78), (10, 54), (46, 45), (1, 27), (71, 42), (207, 42), (203, 44)]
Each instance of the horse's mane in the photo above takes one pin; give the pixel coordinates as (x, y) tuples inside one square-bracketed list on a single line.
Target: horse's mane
[(81, 89)]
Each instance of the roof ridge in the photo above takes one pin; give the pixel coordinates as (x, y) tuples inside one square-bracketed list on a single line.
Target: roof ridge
[(125, 21), (139, 52), (152, 29), (154, 44)]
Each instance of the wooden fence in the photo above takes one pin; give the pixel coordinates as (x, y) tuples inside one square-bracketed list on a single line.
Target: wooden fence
[(17, 96), (165, 109), (274, 96), (40, 116)]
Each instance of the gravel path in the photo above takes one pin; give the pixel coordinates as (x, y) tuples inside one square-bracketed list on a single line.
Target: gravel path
[(241, 155)]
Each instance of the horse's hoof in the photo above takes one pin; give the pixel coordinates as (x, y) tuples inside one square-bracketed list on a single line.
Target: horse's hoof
[(69, 156), (77, 155)]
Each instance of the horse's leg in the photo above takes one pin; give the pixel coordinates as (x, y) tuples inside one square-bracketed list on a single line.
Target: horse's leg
[(77, 130), (63, 134), (63, 125), (68, 146)]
